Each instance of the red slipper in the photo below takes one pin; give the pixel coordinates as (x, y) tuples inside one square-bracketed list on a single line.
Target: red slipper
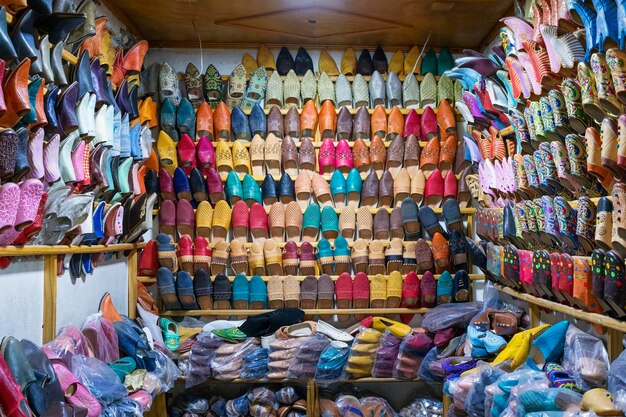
[(186, 149), (240, 221), (185, 254), (410, 295), (185, 218), (167, 218), (360, 292), (166, 185), (344, 294), (149, 263), (428, 287), (259, 228), (201, 255)]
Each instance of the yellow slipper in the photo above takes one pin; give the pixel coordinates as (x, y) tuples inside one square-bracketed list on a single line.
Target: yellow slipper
[(265, 58), (396, 328), (204, 219), (327, 64), (369, 336), (397, 63), (249, 63), (167, 152), (221, 221), (365, 348), (394, 289), (378, 291), (145, 110), (241, 158), (409, 62), (361, 361), (348, 62), (519, 347), (223, 157)]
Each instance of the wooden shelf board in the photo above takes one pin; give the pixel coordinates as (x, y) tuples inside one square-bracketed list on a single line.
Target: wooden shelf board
[(317, 144), (152, 280), (353, 110), (593, 318), (333, 78), (327, 177), (438, 210), (314, 312), (64, 250)]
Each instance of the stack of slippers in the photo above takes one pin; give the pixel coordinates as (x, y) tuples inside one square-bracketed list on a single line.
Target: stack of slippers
[(412, 352), (363, 353)]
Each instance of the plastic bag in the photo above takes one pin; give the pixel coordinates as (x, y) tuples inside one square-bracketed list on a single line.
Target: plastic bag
[(305, 361), (475, 400), (227, 362), (330, 367), (125, 407), (281, 353), (287, 395), (412, 351), (425, 372), (101, 381), (68, 342), (237, 406), (423, 407), (376, 406), (254, 364), (547, 399), (349, 406), (363, 352), (102, 337), (386, 355), (202, 353), (166, 372), (587, 358), (445, 316), (617, 374)]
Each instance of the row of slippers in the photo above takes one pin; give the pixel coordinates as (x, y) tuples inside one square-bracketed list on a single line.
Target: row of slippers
[(227, 125), (339, 192), (408, 221), (184, 292), (162, 77), (549, 222), (594, 285), (331, 256)]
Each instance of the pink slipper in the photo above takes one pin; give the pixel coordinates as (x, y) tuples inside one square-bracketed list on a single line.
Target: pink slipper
[(345, 162), (35, 155), (9, 202), (30, 196), (327, 157), (205, 155), (167, 218), (78, 156), (166, 185), (75, 392), (51, 159)]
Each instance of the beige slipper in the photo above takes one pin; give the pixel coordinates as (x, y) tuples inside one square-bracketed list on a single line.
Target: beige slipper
[(292, 292), (277, 222), (365, 223), (275, 292), (347, 224), (273, 258), (256, 260), (219, 259), (376, 258), (293, 221), (238, 257), (360, 255)]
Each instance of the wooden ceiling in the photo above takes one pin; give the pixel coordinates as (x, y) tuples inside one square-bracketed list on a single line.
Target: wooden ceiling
[(322, 23)]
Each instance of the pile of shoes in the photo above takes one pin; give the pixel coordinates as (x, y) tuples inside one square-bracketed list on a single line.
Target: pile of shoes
[(74, 141)]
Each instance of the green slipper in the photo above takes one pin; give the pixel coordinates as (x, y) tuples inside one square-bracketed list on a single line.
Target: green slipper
[(233, 335), (213, 86), (170, 333), (123, 367), (256, 89)]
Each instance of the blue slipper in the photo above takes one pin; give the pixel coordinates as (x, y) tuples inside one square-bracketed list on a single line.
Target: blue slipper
[(444, 288), (184, 290), (241, 292), (167, 289), (181, 185), (258, 293), (548, 346)]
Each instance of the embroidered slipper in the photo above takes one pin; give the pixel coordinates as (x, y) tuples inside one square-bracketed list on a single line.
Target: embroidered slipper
[(238, 257), (275, 292), (325, 294), (461, 287), (378, 291), (360, 255), (542, 273), (614, 282), (222, 293), (376, 258), (219, 258), (344, 294), (273, 257)]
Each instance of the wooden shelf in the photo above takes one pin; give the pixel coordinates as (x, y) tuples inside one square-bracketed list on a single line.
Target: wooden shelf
[(65, 250), (438, 210), (304, 381), (353, 110), (592, 318), (314, 312), (316, 144), (327, 177), (333, 78), (152, 280)]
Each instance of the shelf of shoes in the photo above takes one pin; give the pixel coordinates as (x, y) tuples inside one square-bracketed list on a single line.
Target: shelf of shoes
[(592, 318), (318, 143), (333, 78), (311, 312), (152, 280), (35, 250), (68, 56), (327, 177), (353, 111)]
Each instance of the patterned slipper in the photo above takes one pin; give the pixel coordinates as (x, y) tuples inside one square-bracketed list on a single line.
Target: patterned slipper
[(344, 294), (256, 89), (614, 282), (213, 87)]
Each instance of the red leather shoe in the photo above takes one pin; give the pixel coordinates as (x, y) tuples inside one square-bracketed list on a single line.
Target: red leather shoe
[(12, 401), (149, 263), (412, 125), (166, 185), (290, 253), (215, 186), (327, 158), (205, 155), (450, 186), (185, 253), (240, 220), (433, 191), (186, 149), (259, 228), (429, 124), (31, 230), (410, 295), (201, 254), (328, 120)]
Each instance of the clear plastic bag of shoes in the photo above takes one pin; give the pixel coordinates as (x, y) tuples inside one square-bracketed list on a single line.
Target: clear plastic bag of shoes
[(99, 378), (445, 316), (617, 374), (412, 351), (588, 359), (426, 373), (201, 355), (423, 407), (330, 367), (363, 353), (386, 356), (68, 342), (123, 408), (228, 360), (254, 364), (102, 338), (477, 393), (166, 374), (376, 406), (305, 361)]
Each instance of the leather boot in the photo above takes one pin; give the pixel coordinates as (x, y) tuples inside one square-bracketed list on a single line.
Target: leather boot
[(65, 109), (133, 59), (98, 81), (93, 45), (56, 61), (41, 6), (88, 28), (82, 75), (16, 95), (60, 25), (123, 99), (45, 50), (23, 38)]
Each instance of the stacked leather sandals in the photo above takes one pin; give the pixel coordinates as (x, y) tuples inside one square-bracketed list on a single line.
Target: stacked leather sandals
[(270, 204), (70, 142), (553, 192), (285, 82)]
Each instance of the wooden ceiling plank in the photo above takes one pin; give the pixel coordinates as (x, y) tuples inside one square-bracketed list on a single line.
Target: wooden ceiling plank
[(123, 17)]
